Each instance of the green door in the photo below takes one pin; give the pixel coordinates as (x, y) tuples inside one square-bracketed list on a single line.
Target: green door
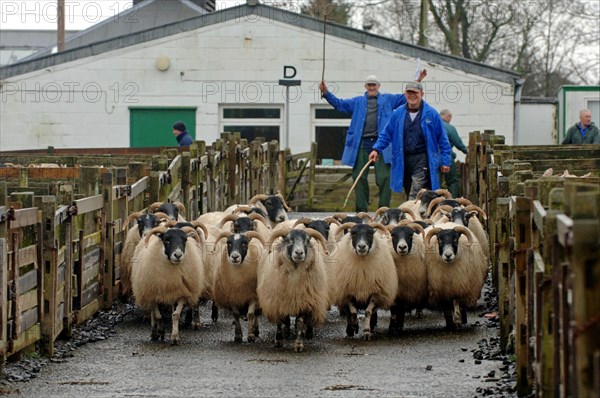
[(149, 127)]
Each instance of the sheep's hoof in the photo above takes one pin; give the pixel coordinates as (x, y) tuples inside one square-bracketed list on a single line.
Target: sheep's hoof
[(419, 314), (175, 340), (298, 347), (214, 315), (196, 325), (154, 335), (256, 331), (251, 338), (238, 338), (350, 330), (366, 335), (278, 343), (309, 333)]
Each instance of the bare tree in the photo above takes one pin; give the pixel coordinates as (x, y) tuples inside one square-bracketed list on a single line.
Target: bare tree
[(336, 10)]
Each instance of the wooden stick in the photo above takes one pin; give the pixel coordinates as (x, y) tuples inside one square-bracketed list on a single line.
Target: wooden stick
[(324, 34), (356, 181)]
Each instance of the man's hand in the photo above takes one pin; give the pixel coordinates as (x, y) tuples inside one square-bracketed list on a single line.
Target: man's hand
[(445, 169), (422, 75), (373, 156), (323, 88)]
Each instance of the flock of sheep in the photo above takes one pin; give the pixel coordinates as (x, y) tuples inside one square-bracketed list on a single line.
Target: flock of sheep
[(253, 260)]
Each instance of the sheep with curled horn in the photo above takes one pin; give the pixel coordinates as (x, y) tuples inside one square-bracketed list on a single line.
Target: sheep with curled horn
[(274, 205), (292, 282), (235, 279), (174, 209), (408, 252), (424, 197), (145, 223), (169, 270), (394, 215), (363, 274), (244, 223), (456, 270), (454, 202), (467, 216)]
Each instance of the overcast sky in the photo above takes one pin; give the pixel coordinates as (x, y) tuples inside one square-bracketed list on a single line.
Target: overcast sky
[(80, 14)]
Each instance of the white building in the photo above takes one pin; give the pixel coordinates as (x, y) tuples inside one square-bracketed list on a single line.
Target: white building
[(220, 72)]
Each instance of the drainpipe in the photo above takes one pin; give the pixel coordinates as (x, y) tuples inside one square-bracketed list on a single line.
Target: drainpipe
[(518, 88)]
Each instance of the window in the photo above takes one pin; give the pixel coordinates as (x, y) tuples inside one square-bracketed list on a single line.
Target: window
[(252, 121), (594, 107), (331, 127)]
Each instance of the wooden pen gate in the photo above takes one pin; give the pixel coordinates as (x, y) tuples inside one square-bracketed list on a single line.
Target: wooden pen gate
[(545, 252), (62, 214)]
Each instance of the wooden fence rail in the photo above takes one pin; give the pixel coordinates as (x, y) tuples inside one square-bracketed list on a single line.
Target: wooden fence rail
[(61, 227), (545, 253)]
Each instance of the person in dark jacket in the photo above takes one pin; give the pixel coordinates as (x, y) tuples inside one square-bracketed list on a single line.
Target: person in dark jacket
[(370, 113), (584, 132), (419, 144), (181, 134), (452, 177)]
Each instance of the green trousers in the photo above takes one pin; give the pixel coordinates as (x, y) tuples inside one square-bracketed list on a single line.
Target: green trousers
[(382, 179), (453, 180)]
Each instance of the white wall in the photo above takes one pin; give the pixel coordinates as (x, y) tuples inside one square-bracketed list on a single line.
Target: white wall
[(85, 103), (537, 124)]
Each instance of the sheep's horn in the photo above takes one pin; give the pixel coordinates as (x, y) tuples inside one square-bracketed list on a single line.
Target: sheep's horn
[(364, 215), (279, 232), (445, 193), (255, 235), (161, 216), (258, 197), (404, 222), (154, 206), (243, 209), (409, 212), (199, 224), (477, 209), (446, 208), (419, 194), (434, 203), (466, 232), (303, 220), (317, 235), (379, 211), (170, 223), (340, 216), (331, 220), (464, 201), (191, 230), (132, 216), (228, 217), (417, 227), (285, 206), (224, 234), (156, 230), (256, 216), (430, 234), (180, 206), (342, 228), (381, 227)]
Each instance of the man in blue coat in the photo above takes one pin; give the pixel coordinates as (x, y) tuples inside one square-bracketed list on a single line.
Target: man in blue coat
[(419, 144), (181, 134), (370, 113)]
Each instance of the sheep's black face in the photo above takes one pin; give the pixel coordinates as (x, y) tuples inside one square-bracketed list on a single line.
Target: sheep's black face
[(320, 226), (174, 241), (275, 210), (296, 243), (170, 209), (426, 199), (448, 244), (237, 248), (362, 238), (402, 238), (260, 211), (459, 216), (354, 219), (392, 216), (146, 222), (243, 224)]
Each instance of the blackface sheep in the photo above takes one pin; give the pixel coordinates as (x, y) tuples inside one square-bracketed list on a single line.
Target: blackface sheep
[(235, 279), (409, 255), (363, 274), (168, 270), (145, 223), (173, 210), (292, 281), (274, 205), (421, 203), (394, 215), (456, 270), (467, 216)]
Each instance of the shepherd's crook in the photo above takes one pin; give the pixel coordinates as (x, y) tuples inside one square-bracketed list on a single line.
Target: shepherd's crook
[(356, 181), (324, 33)]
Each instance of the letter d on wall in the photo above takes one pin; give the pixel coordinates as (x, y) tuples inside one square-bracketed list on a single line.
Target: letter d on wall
[(289, 72)]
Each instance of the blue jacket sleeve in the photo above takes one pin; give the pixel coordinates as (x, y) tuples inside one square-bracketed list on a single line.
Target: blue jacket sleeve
[(385, 136), (397, 100), (443, 143), (342, 105)]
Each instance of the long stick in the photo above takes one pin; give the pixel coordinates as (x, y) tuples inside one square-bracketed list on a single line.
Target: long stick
[(356, 181), (324, 33)]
